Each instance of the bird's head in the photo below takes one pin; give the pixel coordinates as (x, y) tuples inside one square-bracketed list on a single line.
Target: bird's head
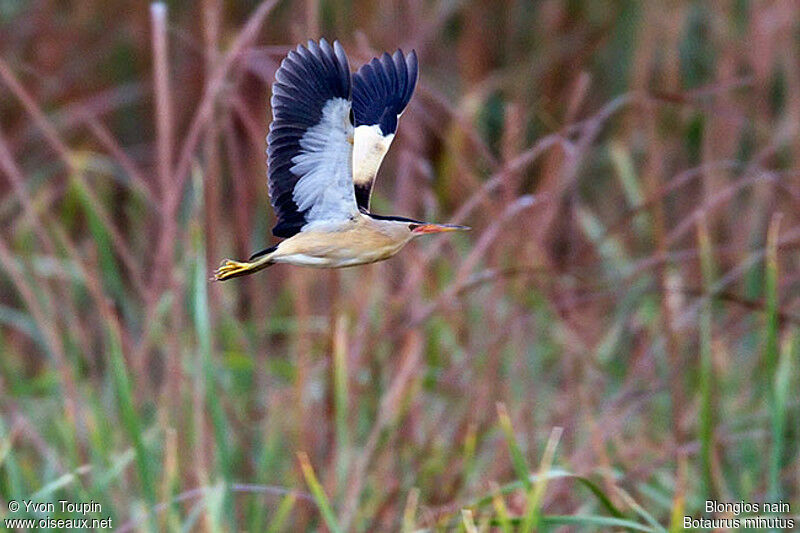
[(404, 229)]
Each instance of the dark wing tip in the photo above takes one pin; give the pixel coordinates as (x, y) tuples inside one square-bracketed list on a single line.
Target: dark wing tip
[(384, 87), (308, 77), (412, 67), (313, 71)]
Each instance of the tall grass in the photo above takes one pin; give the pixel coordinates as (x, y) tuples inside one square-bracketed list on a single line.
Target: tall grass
[(615, 343)]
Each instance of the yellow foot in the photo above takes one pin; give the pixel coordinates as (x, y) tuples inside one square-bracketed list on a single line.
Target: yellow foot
[(231, 269)]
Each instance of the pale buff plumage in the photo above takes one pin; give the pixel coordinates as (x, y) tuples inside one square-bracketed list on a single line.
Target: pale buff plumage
[(355, 242), (358, 241), (321, 168)]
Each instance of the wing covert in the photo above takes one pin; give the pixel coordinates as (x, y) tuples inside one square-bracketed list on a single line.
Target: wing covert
[(310, 149), (382, 89)]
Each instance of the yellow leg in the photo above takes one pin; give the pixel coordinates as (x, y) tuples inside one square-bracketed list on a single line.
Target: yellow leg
[(233, 269)]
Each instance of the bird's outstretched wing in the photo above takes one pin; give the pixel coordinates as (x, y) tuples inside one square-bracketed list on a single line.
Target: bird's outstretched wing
[(381, 91), (310, 139)]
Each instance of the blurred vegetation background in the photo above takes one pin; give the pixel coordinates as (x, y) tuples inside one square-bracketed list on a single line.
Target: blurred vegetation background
[(614, 343)]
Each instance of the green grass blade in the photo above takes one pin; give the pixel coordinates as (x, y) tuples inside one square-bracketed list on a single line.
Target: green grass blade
[(595, 489), (97, 227), (467, 520), (679, 497), (773, 372), (201, 322), (779, 410), (46, 492), (641, 511), (278, 522), (604, 522), (193, 517), (595, 522), (341, 409), (22, 322), (536, 493), (676, 517), (318, 492), (9, 465), (706, 422), (556, 474), (410, 510), (771, 299), (215, 498), (625, 173), (202, 326), (501, 510), (267, 462), (470, 443), (517, 457), (130, 418), (592, 522)]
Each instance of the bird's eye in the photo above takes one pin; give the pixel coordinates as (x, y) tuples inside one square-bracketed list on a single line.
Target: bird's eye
[(412, 227), (352, 117)]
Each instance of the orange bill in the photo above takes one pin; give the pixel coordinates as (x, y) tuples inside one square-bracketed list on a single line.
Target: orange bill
[(438, 228)]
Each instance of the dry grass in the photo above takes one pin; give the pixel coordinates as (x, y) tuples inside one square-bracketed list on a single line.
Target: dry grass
[(630, 292)]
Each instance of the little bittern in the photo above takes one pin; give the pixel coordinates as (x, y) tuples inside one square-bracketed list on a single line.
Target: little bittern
[(329, 133)]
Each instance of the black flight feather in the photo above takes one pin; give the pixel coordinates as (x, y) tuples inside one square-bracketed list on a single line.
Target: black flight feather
[(307, 79), (382, 89)]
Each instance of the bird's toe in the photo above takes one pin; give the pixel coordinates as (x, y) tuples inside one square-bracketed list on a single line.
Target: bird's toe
[(230, 268)]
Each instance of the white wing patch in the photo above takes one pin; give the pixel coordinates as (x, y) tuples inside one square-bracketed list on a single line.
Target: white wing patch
[(369, 148), (325, 165)]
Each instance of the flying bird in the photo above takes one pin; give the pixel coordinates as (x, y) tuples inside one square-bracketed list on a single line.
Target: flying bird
[(329, 133)]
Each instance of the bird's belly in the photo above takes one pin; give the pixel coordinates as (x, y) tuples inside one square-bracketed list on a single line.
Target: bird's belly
[(305, 260), (336, 259), (350, 246), (336, 256)]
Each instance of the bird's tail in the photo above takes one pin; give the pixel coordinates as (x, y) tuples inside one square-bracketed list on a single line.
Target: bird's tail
[(233, 269)]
